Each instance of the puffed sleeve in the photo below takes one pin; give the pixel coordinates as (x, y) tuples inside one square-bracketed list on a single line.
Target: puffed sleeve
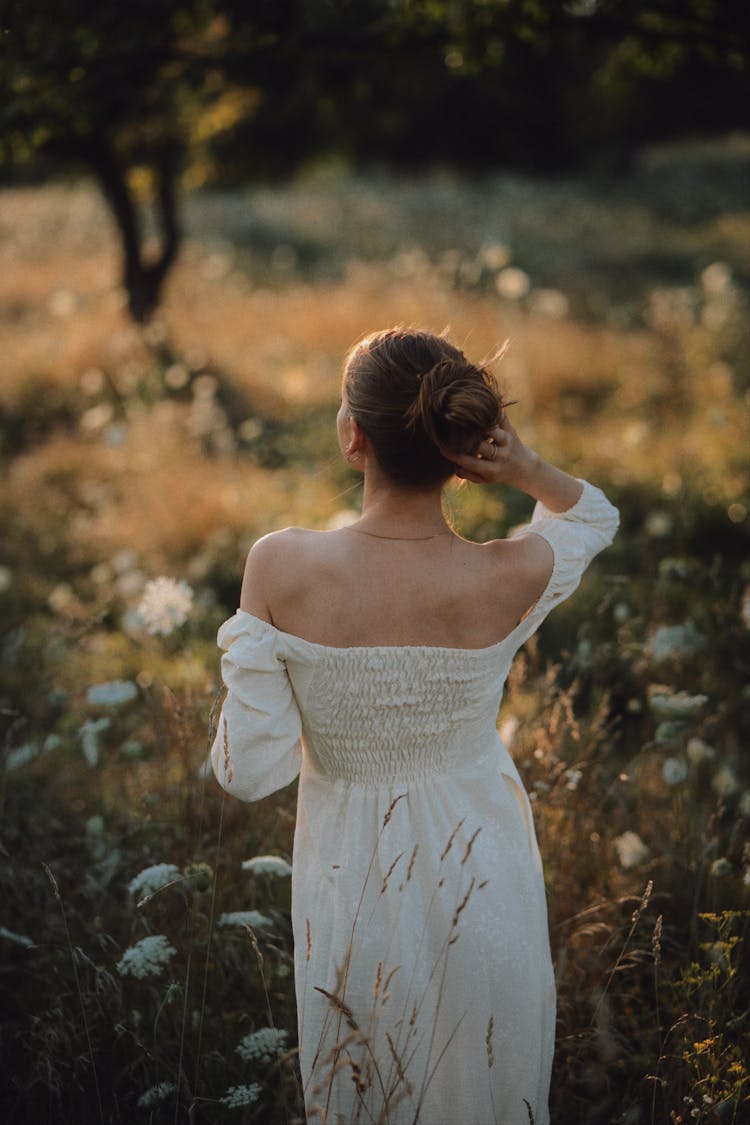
[(576, 537), (257, 747)]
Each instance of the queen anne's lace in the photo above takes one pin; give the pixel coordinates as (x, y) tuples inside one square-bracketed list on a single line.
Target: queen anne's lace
[(165, 605), (267, 865), (147, 958), (262, 1045), (252, 918), (149, 880), (156, 1094), (238, 1096)]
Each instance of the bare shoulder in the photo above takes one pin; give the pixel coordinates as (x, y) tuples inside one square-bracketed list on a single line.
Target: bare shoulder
[(276, 563), (527, 561)]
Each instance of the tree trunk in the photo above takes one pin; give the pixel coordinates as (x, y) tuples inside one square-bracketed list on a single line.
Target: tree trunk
[(142, 278)]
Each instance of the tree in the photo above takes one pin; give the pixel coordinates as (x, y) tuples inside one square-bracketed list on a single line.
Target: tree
[(141, 92)]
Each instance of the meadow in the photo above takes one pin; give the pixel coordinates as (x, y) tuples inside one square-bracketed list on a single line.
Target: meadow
[(145, 940)]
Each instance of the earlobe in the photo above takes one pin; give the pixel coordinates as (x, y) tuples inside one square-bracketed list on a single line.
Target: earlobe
[(357, 440)]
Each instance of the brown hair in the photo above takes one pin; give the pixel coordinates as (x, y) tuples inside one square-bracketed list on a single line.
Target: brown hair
[(415, 394)]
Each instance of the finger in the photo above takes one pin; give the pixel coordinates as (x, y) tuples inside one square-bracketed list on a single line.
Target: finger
[(466, 461), (488, 450)]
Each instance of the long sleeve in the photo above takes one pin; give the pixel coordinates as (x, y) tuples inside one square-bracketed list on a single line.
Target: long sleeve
[(257, 747), (576, 537)]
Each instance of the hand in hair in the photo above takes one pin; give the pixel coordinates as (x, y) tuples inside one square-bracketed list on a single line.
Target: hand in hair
[(502, 458)]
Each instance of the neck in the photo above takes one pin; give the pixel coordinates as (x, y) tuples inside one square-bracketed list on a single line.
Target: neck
[(395, 511)]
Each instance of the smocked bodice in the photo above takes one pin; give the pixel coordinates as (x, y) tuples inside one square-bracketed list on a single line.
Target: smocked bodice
[(378, 715)]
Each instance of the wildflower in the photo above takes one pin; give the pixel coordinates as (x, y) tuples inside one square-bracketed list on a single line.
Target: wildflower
[(165, 605), (724, 782), (267, 865), (673, 642), (659, 524), (156, 1094), (631, 849), (678, 706), (674, 771), (621, 612), (238, 1096), (573, 777), (699, 751), (200, 875), (262, 1045), (89, 733), (21, 756), (152, 878), (112, 692), (721, 867), (252, 918), (146, 958)]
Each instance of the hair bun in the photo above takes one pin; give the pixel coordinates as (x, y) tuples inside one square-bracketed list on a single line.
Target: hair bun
[(456, 405)]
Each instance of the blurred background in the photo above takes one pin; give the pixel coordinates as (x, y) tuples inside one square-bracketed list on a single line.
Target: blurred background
[(202, 206)]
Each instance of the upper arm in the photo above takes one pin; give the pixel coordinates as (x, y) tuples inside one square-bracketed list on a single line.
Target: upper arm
[(261, 567), (536, 561)]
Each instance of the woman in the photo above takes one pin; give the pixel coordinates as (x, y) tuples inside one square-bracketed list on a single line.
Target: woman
[(372, 659)]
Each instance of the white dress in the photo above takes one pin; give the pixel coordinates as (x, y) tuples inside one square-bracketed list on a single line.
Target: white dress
[(424, 982)]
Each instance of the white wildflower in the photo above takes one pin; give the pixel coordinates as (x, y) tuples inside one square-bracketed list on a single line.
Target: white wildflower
[(146, 958), (252, 918), (124, 561), (165, 605), (149, 880), (238, 1096), (659, 524), (621, 612), (21, 756), (262, 1045), (267, 865), (673, 642), (724, 782), (17, 939), (89, 733), (699, 751), (112, 692), (156, 1094), (631, 849), (677, 706), (674, 771), (573, 777)]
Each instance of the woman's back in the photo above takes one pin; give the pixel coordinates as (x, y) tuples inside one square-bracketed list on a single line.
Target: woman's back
[(347, 587)]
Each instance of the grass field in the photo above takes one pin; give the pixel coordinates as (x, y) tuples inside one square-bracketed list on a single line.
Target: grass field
[(131, 454)]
